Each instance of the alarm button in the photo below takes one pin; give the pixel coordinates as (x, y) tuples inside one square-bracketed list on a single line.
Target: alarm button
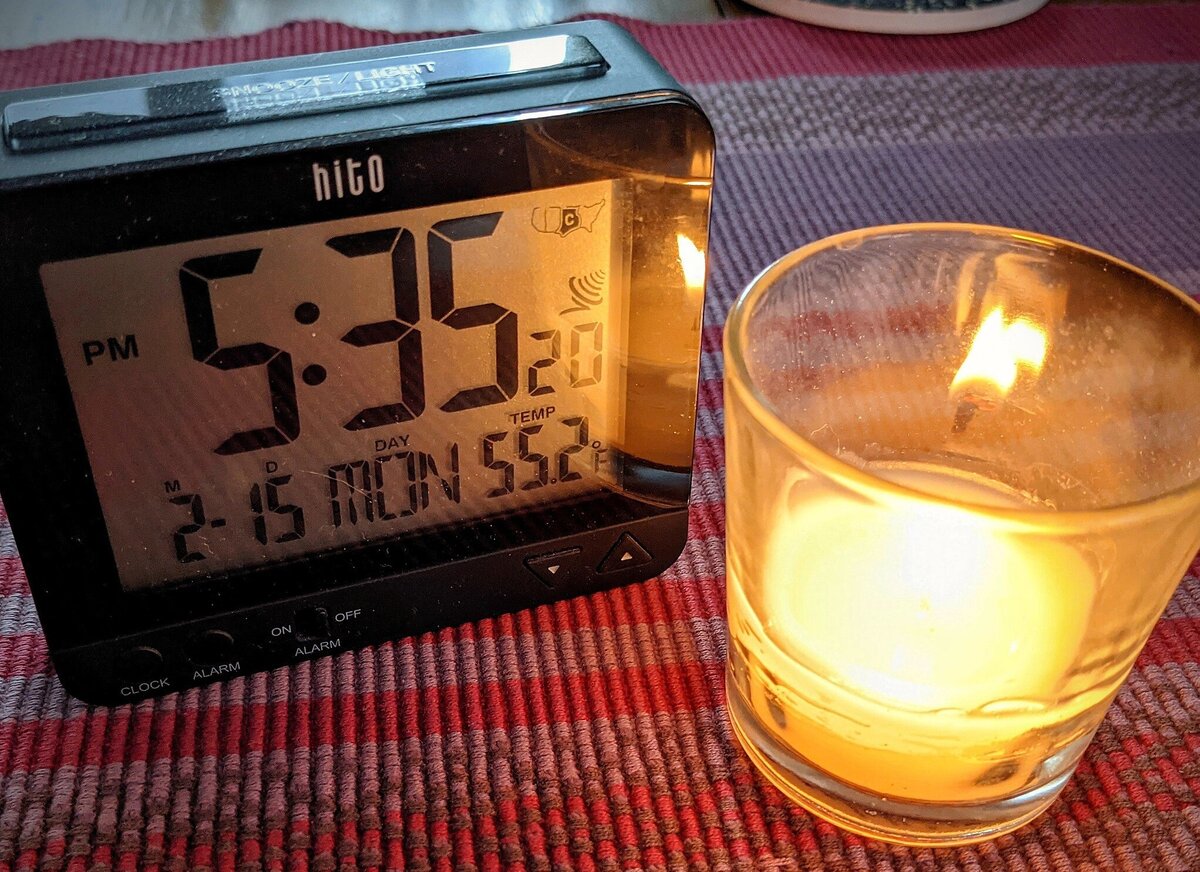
[(141, 662), (626, 554), (210, 648), (556, 567), (312, 624)]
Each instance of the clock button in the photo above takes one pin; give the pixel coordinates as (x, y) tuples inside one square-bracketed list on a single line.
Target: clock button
[(312, 624), (556, 567), (210, 648), (626, 554), (141, 662)]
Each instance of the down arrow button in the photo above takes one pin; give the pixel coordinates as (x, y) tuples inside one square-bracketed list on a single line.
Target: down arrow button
[(556, 568)]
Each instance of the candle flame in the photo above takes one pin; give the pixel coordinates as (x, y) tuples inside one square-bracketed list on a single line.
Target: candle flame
[(691, 260), (998, 351)]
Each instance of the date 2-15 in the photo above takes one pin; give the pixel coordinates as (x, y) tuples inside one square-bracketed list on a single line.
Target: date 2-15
[(386, 487)]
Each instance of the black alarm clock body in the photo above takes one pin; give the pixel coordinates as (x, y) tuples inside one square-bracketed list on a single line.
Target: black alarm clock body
[(306, 354)]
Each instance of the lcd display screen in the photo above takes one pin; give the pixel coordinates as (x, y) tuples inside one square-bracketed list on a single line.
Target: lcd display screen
[(252, 399)]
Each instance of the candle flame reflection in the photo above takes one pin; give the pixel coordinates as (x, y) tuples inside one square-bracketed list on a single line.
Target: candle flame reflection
[(997, 352), (691, 261)]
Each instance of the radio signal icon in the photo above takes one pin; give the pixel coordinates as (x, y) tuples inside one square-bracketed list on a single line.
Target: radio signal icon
[(587, 291)]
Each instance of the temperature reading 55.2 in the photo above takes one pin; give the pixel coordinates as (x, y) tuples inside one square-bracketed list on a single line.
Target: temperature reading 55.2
[(315, 387)]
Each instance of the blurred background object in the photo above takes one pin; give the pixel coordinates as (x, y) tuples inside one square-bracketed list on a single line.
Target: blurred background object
[(24, 23), (903, 16)]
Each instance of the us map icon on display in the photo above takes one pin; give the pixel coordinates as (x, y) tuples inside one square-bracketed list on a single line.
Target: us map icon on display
[(565, 219)]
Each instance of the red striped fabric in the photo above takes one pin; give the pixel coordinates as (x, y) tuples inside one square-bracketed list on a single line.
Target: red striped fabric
[(592, 734), (734, 50)]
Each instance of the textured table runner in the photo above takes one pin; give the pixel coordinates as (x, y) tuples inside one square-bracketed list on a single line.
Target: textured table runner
[(592, 734)]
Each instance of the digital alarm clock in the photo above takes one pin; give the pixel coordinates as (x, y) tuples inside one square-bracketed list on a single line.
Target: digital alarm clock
[(305, 354)]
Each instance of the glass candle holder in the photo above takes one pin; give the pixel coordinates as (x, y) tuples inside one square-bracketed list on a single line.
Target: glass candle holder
[(963, 482)]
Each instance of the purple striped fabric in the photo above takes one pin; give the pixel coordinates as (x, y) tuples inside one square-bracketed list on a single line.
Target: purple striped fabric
[(592, 734)]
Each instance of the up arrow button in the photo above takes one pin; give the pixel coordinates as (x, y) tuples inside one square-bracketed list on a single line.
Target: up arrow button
[(628, 553)]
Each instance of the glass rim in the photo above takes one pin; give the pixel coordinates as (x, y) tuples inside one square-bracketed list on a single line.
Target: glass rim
[(865, 482)]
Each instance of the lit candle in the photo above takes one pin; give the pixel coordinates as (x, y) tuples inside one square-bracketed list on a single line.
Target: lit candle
[(913, 648), (960, 491)]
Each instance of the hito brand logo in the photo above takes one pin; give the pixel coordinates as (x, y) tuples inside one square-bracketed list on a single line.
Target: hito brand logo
[(349, 178)]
